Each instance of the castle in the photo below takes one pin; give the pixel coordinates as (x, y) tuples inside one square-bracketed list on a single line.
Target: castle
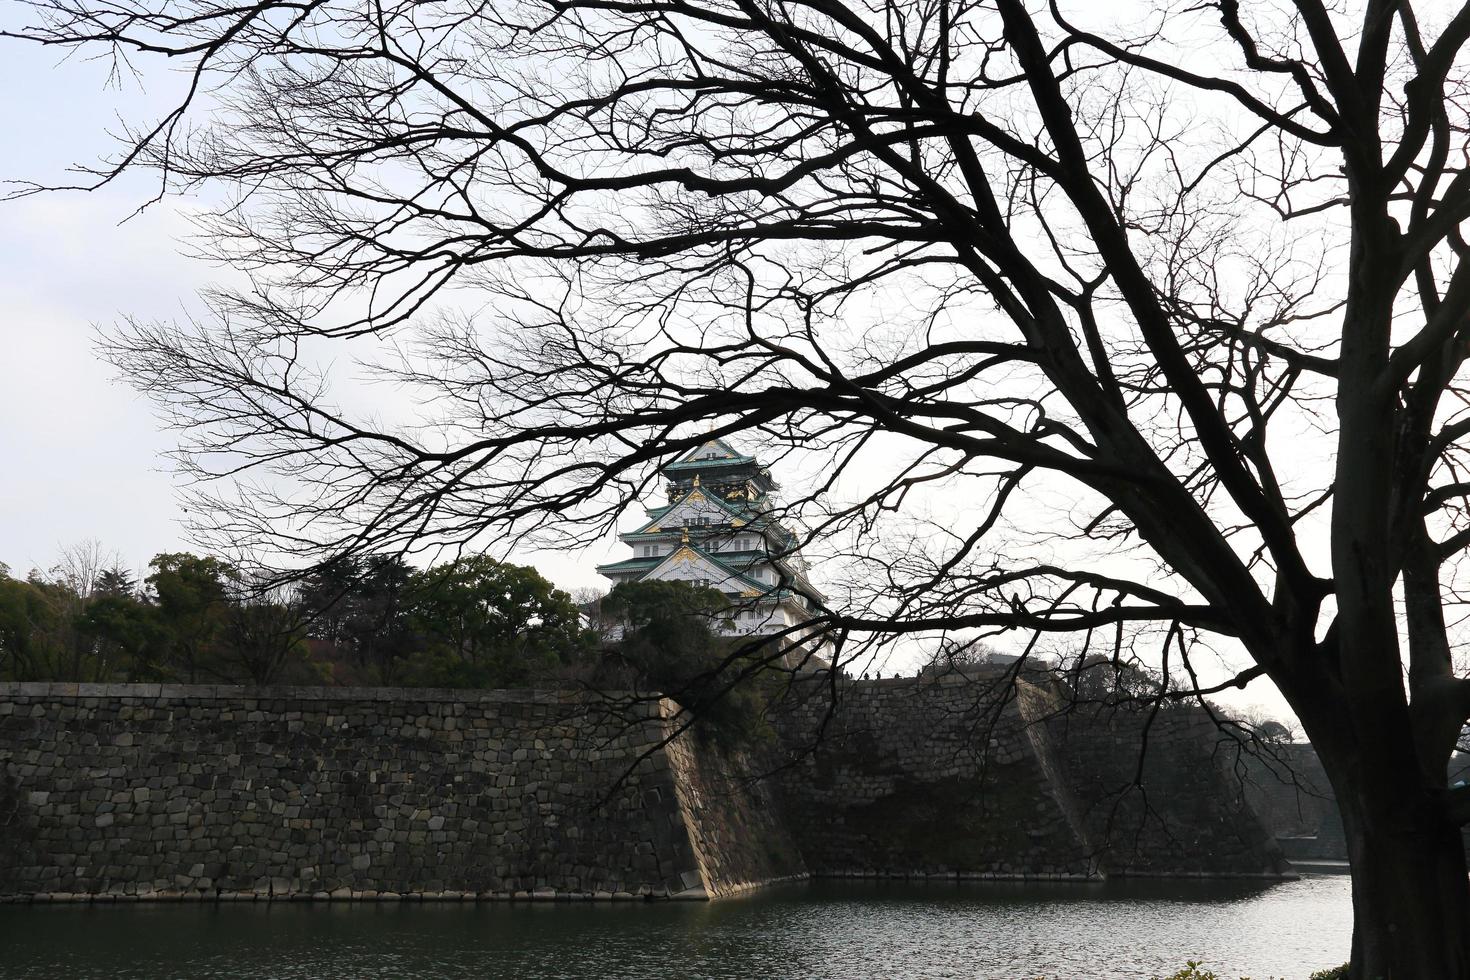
[(720, 530)]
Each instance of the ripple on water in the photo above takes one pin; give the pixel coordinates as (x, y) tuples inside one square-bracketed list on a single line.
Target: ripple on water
[(841, 931)]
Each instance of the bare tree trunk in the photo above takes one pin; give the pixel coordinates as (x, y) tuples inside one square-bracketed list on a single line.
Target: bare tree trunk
[(1411, 892)]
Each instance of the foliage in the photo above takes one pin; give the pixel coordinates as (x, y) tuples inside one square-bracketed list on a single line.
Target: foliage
[(670, 644), (49, 627), (660, 618), (361, 614), (474, 622), (29, 646), (190, 593), (133, 630), (1194, 970), (262, 633), (484, 623)]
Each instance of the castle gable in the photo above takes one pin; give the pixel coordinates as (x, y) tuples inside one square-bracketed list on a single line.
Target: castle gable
[(689, 564), (696, 509), (714, 449)]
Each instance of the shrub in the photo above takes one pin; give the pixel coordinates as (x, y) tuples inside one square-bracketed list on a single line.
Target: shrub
[(669, 644), (1192, 971)]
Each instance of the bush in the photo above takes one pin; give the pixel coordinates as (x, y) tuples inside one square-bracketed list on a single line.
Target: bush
[(1192, 971), (669, 645)]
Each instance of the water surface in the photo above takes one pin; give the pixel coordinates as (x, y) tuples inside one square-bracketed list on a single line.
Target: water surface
[(838, 930)]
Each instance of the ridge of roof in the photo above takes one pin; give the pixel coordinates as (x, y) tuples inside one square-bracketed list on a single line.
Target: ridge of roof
[(704, 464), (731, 569)]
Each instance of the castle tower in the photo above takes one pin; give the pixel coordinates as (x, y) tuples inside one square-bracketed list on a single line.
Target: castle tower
[(718, 530)]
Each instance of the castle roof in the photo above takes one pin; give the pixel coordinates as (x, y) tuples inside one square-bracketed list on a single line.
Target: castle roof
[(630, 565), (713, 452), (741, 514)]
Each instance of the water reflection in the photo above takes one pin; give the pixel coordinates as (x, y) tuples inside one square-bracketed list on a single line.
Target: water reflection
[(821, 930)]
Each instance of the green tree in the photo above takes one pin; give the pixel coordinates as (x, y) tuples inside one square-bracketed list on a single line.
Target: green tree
[(79, 620), (115, 582), (261, 633), (486, 623), (669, 642), (122, 627), (29, 647), (128, 632), (191, 594), (361, 608), (69, 588)]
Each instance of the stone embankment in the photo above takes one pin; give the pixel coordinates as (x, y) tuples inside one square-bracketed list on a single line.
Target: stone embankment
[(222, 793), (1287, 786), (989, 777), (148, 792)]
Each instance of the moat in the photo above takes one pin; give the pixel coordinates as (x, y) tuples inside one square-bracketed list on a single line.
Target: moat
[(839, 930)]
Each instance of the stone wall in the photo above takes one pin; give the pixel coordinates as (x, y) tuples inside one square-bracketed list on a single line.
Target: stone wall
[(1158, 795), (139, 791), (736, 823), (957, 777), (1290, 791), (1288, 787)]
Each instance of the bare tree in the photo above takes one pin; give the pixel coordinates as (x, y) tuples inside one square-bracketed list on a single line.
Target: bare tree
[(1068, 309), (82, 566), (70, 587), (1265, 724), (263, 630)]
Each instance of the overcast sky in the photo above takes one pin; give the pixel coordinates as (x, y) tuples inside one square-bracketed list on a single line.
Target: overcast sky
[(80, 454)]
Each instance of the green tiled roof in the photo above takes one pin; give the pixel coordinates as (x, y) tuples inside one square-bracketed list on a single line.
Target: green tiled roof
[(632, 565), (682, 465), (733, 568), (650, 563)]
